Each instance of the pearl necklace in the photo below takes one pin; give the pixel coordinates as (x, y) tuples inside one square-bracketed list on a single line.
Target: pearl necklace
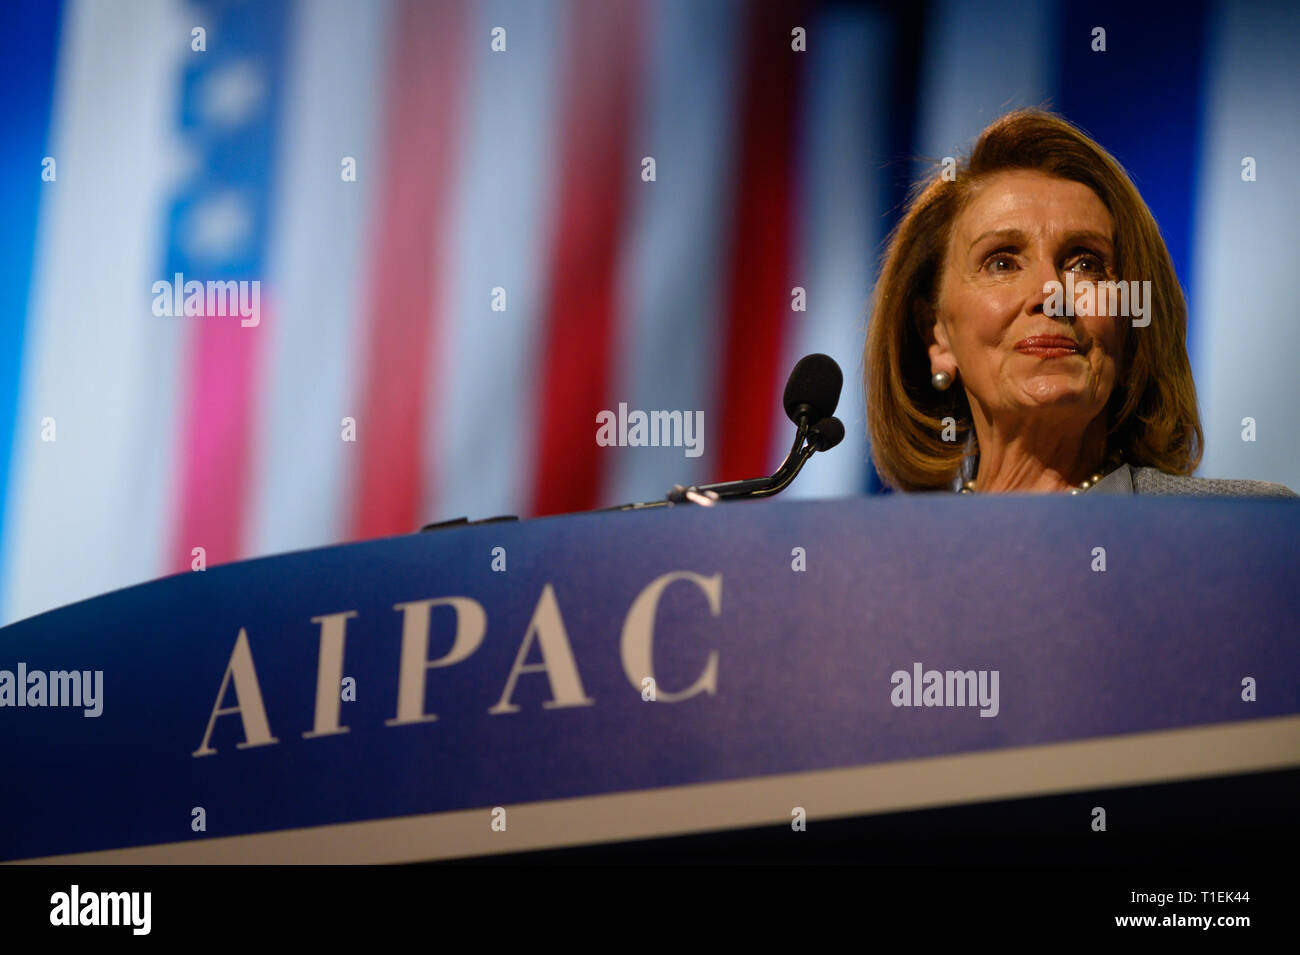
[(968, 487)]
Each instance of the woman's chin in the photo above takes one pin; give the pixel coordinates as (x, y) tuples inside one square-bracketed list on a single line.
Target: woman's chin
[(1060, 391)]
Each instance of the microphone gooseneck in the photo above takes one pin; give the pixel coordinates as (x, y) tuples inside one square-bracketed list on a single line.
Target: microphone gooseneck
[(811, 395)]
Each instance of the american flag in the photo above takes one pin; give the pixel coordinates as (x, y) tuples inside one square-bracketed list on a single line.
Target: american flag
[(476, 225)]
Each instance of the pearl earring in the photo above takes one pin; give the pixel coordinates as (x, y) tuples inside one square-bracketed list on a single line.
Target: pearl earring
[(941, 380)]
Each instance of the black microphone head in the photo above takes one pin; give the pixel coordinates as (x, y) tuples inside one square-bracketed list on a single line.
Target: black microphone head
[(813, 389), (825, 434)]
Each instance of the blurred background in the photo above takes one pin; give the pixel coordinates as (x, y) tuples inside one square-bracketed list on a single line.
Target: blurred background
[(498, 269)]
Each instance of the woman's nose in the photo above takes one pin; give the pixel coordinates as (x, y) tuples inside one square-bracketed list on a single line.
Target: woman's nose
[(1044, 283)]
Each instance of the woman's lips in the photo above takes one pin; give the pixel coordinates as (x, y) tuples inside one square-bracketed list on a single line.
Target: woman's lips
[(1047, 346)]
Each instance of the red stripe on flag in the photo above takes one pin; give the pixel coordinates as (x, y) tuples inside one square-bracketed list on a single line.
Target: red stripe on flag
[(417, 184), (215, 447), (597, 172), (758, 296)]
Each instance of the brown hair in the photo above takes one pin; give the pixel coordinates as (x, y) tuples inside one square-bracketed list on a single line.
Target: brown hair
[(1152, 415)]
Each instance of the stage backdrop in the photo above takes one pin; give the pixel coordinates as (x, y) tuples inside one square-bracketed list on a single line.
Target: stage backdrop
[(475, 225)]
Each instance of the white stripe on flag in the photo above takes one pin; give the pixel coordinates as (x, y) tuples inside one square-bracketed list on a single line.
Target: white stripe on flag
[(1245, 242), (334, 103), (88, 512), (982, 58), (672, 272), (483, 399), (842, 134)]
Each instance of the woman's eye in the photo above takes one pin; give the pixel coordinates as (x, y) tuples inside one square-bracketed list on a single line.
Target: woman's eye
[(1000, 263), (1088, 263)]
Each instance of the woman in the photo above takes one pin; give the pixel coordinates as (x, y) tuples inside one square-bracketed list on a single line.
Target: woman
[(1029, 333)]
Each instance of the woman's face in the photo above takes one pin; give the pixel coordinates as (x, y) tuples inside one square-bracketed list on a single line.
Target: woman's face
[(1021, 230)]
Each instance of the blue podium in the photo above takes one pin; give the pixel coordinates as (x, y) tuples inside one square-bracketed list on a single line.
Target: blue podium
[(605, 677)]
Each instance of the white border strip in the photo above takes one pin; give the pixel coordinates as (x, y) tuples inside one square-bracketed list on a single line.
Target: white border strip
[(88, 513), (1136, 759)]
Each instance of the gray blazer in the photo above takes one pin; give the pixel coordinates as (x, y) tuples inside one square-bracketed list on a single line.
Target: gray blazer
[(1127, 479)]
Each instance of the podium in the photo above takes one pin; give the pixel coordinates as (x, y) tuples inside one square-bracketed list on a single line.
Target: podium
[(603, 679)]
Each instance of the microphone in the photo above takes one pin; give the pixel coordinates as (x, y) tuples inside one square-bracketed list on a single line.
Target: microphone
[(813, 389), (827, 433), (811, 394)]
